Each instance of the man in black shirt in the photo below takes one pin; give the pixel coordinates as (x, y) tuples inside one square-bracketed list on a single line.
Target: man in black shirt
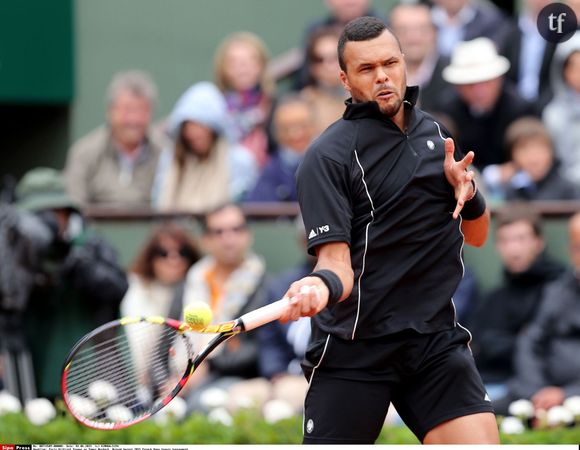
[(388, 204)]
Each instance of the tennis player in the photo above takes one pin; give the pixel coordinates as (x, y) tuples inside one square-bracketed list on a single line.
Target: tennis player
[(388, 204)]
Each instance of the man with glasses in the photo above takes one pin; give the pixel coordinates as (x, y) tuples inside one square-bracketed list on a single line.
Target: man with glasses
[(228, 279)]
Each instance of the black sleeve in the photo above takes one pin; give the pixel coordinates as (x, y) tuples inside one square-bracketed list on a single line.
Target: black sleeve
[(324, 197)]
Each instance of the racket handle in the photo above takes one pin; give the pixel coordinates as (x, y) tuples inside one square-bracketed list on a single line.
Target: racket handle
[(265, 314)]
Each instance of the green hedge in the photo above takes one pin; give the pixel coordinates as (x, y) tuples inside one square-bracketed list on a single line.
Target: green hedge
[(248, 428)]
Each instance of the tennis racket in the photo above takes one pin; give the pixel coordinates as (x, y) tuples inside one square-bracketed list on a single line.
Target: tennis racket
[(126, 370)]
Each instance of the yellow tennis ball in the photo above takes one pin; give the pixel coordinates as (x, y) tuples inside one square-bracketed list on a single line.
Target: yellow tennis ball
[(197, 315)]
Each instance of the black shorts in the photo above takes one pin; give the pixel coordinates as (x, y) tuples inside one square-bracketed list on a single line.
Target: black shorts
[(429, 378)]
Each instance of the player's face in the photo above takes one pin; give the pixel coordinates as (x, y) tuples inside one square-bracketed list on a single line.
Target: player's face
[(375, 71)]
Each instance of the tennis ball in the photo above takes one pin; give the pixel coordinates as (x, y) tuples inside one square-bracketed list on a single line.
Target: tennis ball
[(197, 315)]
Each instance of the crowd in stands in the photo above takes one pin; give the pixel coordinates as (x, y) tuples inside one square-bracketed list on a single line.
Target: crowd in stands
[(486, 76)]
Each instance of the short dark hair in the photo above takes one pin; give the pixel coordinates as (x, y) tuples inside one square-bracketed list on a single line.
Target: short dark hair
[(525, 129), (360, 29), (518, 212), (204, 219)]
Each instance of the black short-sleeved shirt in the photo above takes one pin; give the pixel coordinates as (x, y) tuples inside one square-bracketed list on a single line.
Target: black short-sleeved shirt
[(384, 192)]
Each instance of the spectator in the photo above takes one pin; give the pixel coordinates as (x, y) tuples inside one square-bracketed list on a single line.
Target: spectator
[(115, 164), (229, 280), (465, 20), (534, 173), (323, 87), (79, 283), (156, 279), (294, 130), (530, 55), (340, 12), (507, 309), (201, 169), (413, 25), (241, 74), (158, 269), (546, 359), (562, 114), (486, 104)]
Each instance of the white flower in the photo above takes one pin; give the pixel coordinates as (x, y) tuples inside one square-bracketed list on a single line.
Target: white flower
[(102, 391), (276, 410), (244, 402), (220, 415), (213, 398), (558, 415), (175, 410), (521, 408), (39, 411), (572, 404), (512, 425), (82, 406), (9, 403), (119, 413)]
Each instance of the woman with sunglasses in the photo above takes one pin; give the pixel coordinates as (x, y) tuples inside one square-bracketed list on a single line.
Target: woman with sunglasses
[(158, 269), (323, 87)]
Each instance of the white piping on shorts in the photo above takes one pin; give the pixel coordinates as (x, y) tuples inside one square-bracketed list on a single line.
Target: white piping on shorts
[(366, 244), (310, 382)]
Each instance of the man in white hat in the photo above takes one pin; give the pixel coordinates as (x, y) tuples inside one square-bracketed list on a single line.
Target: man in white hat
[(486, 103)]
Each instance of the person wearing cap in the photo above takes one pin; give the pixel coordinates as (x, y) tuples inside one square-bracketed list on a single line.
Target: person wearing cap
[(78, 285), (114, 165), (486, 103), (202, 168)]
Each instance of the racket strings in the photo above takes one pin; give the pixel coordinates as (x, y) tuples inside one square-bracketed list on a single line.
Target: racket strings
[(134, 367)]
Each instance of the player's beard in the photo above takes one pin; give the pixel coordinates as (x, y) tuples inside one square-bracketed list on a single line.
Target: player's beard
[(389, 109)]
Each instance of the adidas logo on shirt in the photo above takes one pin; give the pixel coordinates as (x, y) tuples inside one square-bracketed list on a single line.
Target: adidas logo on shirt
[(318, 230)]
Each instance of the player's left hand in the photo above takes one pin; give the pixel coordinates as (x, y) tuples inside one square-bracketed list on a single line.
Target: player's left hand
[(458, 175)]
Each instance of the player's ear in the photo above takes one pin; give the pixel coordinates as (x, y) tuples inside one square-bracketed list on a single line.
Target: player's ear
[(344, 80)]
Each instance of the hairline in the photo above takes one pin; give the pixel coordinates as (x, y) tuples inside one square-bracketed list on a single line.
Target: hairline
[(386, 29)]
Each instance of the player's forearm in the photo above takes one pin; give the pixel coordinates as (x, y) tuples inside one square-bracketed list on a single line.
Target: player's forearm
[(475, 231), (338, 261)]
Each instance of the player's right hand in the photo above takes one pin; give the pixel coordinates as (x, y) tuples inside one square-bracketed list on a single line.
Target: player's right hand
[(306, 298)]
